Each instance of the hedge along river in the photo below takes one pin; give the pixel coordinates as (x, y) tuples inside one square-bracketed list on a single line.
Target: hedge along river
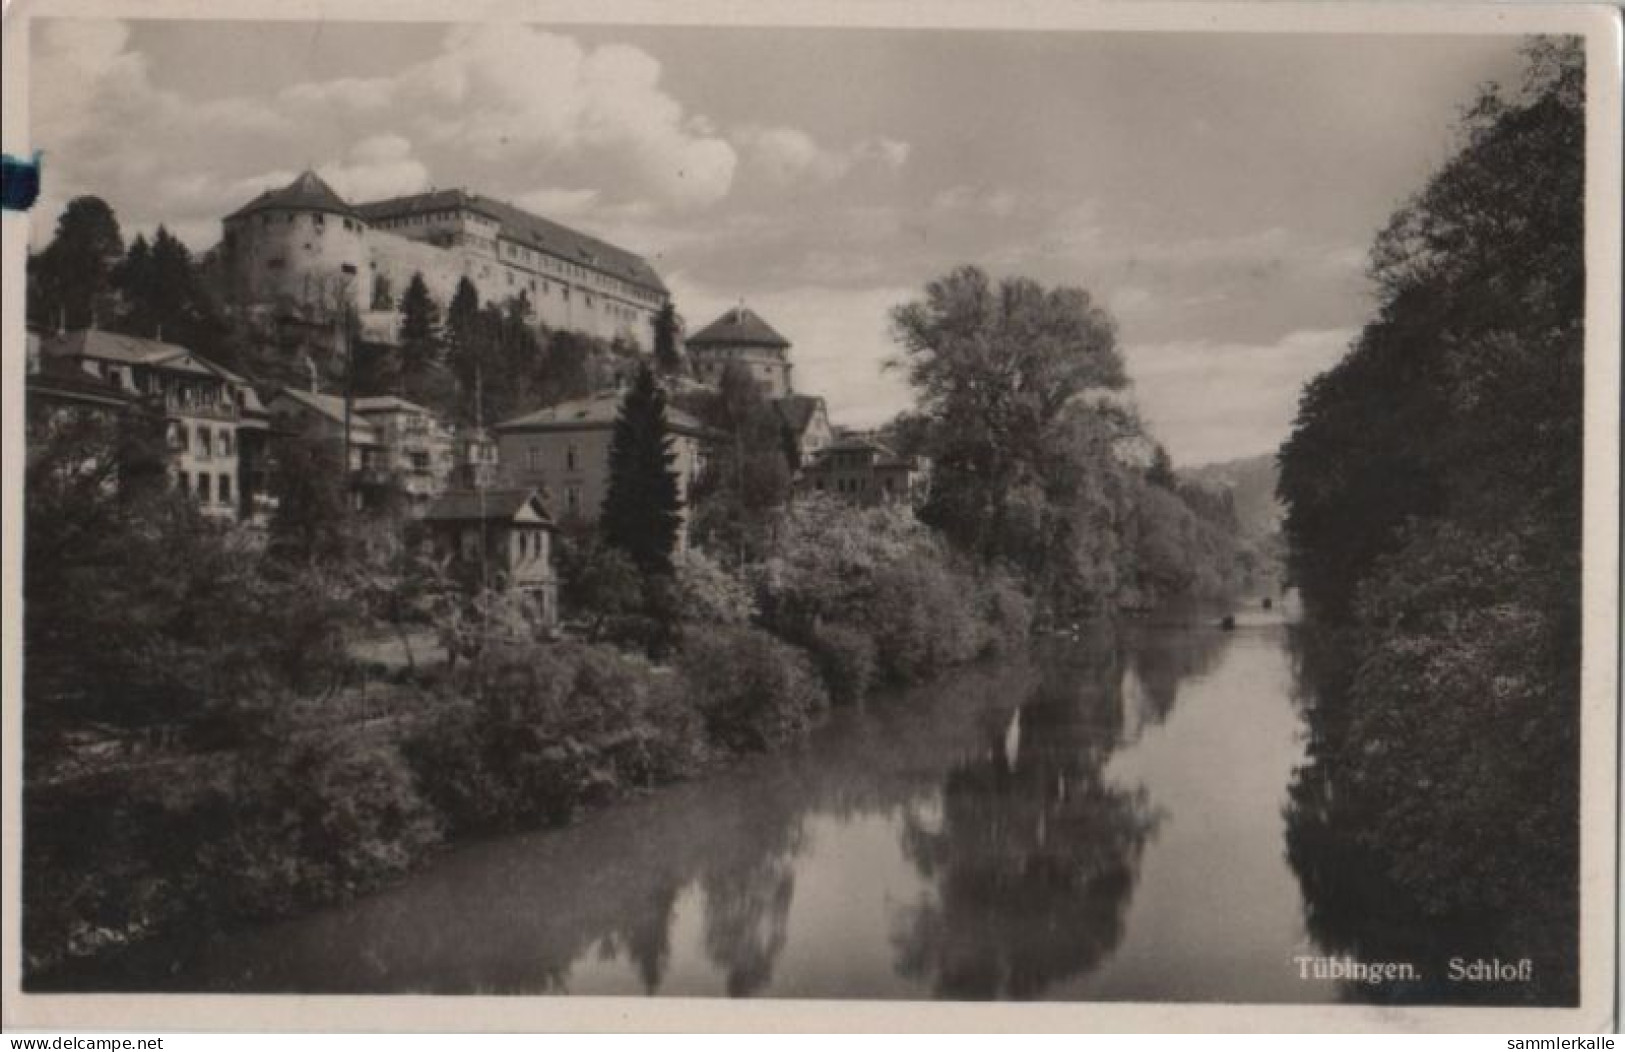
[(1101, 819)]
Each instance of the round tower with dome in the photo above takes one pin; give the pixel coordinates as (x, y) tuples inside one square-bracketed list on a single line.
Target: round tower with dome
[(741, 336), (301, 244)]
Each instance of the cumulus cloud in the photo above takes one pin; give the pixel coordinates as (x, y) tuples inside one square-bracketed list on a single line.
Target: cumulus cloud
[(493, 105), (783, 156), (516, 94), (377, 167)]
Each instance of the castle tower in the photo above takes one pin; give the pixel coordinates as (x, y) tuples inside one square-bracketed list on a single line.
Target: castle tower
[(302, 245), (741, 336)]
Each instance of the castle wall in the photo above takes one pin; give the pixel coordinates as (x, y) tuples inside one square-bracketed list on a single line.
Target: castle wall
[(316, 259), (561, 296), (767, 366)]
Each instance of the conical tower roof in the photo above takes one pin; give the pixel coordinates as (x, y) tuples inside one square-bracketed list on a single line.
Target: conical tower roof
[(738, 327), (308, 193)]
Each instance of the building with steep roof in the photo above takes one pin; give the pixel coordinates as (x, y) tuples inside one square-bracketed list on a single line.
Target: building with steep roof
[(866, 471), (304, 246), (211, 413), (805, 420), (298, 245), (502, 540), (740, 336), (564, 451)]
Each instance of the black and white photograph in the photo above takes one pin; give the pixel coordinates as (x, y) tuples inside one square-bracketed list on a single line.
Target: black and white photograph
[(829, 509)]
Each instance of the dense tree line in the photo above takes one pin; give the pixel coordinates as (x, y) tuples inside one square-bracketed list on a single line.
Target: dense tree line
[(1433, 492), (1028, 469)]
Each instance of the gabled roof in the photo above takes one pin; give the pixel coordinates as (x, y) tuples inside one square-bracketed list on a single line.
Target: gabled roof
[(882, 454), (595, 412), (308, 193), (527, 229), (798, 410), (490, 505), (738, 327), (112, 347), (388, 404), (331, 407), (63, 382)]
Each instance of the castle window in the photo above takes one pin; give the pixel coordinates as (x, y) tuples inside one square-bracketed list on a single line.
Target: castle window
[(348, 268)]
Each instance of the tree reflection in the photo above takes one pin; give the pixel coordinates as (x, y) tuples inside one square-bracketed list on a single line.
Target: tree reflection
[(1157, 662), (1035, 856), (1336, 846)]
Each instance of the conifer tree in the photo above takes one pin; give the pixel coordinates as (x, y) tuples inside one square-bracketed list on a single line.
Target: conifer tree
[(70, 282), (642, 510), (667, 358), (420, 335)]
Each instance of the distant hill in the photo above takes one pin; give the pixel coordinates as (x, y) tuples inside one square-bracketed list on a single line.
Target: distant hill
[(1251, 482)]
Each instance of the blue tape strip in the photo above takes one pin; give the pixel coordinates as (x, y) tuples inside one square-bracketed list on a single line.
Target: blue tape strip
[(19, 182)]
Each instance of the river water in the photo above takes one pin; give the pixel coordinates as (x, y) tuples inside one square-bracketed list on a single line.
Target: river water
[(1102, 820)]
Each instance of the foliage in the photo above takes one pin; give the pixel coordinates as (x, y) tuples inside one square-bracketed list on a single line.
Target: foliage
[(1432, 485), (598, 583), (642, 508), (995, 366), (70, 281), (1462, 395), (311, 487), (753, 691), (878, 573), (845, 660), (545, 729), (163, 296), (747, 477), (709, 594), (264, 832), (667, 358)]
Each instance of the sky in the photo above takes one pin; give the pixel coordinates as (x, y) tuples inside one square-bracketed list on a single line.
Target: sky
[(1217, 193)]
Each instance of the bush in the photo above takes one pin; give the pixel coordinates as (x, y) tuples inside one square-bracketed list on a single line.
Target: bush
[(845, 659), (314, 823), (708, 594), (921, 619), (1006, 614), (550, 728), (754, 692), (118, 857)]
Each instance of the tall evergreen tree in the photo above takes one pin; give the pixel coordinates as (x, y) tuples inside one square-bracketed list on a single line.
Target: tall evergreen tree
[(642, 510), (70, 282), (462, 317), (420, 343), (667, 358)]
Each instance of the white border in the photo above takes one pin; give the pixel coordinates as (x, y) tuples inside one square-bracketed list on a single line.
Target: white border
[(1600, 24)]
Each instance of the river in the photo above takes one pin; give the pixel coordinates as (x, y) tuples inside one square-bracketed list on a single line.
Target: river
[(1101, 820)]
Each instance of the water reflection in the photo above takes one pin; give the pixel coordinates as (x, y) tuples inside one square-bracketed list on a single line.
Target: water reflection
[(1034, 858), (1351, 908), (966, 840)]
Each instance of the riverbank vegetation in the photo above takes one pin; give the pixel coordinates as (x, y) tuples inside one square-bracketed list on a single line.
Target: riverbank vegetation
[(1433, 490), (221, 754)]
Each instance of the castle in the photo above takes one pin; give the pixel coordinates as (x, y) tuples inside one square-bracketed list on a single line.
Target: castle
[(303, 245)]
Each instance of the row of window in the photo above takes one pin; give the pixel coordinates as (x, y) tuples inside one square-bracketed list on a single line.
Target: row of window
[(318, 219), (201, 484), (532, 544), (572, 457), (207, 440)]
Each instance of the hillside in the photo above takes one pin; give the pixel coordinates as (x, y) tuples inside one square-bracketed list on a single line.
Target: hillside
[(1251, 482)]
